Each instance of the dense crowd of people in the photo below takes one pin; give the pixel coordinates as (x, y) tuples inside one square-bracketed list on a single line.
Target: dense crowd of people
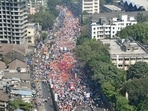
[(71, 87)]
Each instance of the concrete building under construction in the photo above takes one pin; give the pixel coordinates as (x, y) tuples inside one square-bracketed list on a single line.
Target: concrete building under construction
[(13, 21)]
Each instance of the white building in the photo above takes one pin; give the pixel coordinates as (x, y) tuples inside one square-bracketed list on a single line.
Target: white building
[(90, 6), (108, 28)]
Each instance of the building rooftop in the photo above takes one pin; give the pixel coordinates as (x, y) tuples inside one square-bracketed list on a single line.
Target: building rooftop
[(110, 15), (32, 25), (17, 63), (112, 21), (4, 97), (22, 76), (115, 49), (22, 92), (137, 3), (2, 65), (113, 7), (6, 48)]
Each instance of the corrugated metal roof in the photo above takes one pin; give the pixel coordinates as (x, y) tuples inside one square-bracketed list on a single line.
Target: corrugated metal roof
[(22, 92)]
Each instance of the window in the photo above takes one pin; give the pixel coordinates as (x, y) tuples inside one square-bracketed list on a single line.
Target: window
[(120, 59), (120, 65), (17, 38), (126, 59), (133, 58)]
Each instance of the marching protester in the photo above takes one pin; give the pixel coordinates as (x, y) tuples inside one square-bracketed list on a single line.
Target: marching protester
[(72, 91)]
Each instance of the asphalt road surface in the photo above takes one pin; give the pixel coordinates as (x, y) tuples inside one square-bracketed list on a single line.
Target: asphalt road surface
[(46, 93)]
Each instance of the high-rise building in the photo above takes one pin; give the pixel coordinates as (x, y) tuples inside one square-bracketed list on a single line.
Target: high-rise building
[(13, 21), (90, 6)]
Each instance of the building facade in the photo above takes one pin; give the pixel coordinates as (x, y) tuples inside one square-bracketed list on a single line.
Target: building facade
[(105, 28), (13, 21), (90, 6), (32, 10), (126, 52), (32, 32)]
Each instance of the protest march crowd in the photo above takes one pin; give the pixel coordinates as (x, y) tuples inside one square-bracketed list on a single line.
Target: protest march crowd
[(71, 87)]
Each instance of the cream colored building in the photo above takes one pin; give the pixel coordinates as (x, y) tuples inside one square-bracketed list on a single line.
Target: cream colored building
[(31, 34), (32, 10), (90, 6), (124, 53)]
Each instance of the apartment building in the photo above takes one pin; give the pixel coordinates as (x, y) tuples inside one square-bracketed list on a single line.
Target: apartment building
[(32, 32), (13, 21), (126, 52), (90, 6), (108, 28)]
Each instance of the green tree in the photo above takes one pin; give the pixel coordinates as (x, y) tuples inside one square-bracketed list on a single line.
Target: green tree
[(82, 38), (138, 70), (140, 17), (109, 91), (138, 32), (122, 104), (43, 35), (90, 49), (44, 18), (137, 90), (17, 103), (52, 6), (143, 106), (107, 72)]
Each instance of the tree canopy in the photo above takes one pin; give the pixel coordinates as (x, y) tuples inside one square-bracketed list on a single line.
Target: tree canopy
[(137, 90), (95, 56), (143, 106), (141, 17), (122, 104), (138, 70), (44, 18), (52, 4), (138, 32), (43, 35), (17, 103), (91, 49), (137, 85)]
